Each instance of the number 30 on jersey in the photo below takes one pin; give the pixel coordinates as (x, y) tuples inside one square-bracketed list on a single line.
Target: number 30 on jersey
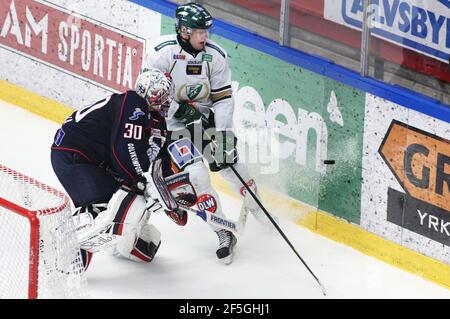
[(133, 131)]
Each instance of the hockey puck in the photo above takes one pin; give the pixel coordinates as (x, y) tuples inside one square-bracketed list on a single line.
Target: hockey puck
[(329, 162)]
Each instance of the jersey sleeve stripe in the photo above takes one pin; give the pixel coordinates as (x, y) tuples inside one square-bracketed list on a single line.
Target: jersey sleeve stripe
[(133, 178), (73, 150), (221, 89), (222, 98), (215, 97), (212, 46), (166, 43)]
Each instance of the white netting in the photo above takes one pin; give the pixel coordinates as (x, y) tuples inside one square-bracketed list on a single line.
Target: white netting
[(25, 202)]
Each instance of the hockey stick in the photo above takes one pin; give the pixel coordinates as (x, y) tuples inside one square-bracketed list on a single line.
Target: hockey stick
[(249, 190), (267, 213)]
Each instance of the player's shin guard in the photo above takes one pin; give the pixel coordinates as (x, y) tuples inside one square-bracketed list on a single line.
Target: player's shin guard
[(208, 199)]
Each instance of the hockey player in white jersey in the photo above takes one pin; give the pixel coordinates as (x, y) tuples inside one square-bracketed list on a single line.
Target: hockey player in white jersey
[(201, 111)]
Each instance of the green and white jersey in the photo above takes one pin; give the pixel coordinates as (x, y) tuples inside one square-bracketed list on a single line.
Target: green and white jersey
[(203, 78)]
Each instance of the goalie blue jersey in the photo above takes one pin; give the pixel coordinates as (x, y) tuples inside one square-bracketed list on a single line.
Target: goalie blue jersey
[(113, 133)]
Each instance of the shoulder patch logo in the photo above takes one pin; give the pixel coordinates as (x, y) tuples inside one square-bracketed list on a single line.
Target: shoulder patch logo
[(59, 137), (207, 57), (137, 112)]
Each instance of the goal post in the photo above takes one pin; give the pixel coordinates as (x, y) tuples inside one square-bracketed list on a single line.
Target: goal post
[(39, 252)]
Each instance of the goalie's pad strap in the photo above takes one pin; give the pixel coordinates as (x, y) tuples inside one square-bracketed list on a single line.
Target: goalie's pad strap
[(141, 250), (86, 258), (121, 215)]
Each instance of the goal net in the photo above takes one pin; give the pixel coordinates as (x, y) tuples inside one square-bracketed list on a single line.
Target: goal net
[(39, 252)]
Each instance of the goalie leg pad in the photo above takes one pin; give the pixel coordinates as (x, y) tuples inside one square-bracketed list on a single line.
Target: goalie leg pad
[(128, 210), (121, 219)]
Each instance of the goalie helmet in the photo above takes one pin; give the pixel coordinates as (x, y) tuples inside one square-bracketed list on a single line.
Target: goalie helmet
[(156, 89), (193, 16)]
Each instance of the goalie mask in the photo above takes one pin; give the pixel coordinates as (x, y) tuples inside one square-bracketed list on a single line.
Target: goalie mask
[(156, 89)]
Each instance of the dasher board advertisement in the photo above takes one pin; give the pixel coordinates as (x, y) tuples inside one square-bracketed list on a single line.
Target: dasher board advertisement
[(419, 25), (86, 49), (406, 178)]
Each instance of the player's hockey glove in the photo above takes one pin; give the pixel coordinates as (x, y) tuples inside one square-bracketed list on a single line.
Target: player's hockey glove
[(190, 116), (225, 152), (178, 216)]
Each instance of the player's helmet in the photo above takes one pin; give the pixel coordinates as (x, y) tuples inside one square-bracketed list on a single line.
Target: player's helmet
[(193, 16), (156, 89)]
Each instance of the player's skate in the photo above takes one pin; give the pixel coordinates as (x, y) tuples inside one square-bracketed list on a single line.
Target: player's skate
[(227, 241), (250, 206), (260, 216)]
